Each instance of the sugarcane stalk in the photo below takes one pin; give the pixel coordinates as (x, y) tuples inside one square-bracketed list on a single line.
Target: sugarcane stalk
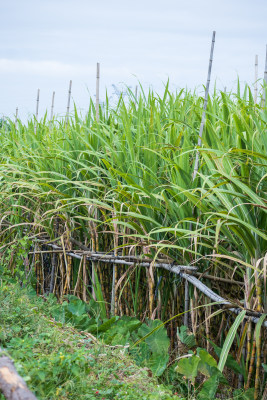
[(42, 275), (150, 280), (62, 274), (67, 260), (186, 303), (84, 295), (251, 364), (258, 344), (76, 290), (207, 323), (37, 272), (114, 299)]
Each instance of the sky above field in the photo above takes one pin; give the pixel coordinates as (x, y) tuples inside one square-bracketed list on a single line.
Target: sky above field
[(45, 43)]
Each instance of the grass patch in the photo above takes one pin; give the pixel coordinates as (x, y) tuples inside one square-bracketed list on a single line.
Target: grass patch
[(58, 362)]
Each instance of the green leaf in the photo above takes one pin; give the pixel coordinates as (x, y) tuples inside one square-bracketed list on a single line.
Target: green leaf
[(158, 341), (158, 363), (207, 363), (229, 340), (209, 388), (76, 306), (239, 394), (188, 367), (230, 362), (188, 340), (107, 324)]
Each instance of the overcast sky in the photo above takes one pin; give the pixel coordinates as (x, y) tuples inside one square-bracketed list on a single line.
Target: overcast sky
[(45, 43)]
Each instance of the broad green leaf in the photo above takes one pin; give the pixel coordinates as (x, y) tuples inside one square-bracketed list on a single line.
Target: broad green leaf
[(188, 367), (188, 340)]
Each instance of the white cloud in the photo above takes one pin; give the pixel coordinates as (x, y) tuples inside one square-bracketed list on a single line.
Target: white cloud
[(41, 68)]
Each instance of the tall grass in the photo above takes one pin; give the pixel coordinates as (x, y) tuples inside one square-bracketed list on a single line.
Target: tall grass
[(125, 184)]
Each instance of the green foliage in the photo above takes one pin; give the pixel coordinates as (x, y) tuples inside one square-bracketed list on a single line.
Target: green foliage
[(188, 340), (57, 362), (203, 363), (135, 166), (153, 353), (188, 367)]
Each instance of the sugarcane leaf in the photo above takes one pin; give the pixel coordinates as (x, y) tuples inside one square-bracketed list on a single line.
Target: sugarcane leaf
[(229, 340)]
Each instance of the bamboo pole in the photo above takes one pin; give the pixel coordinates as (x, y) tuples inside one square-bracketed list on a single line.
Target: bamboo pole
[(52, 110), (37, 110), (97, 92), (197, 153), (68, 105), (179, 270), (265, 78), (16, 118), (217, 298), (205, 106), (256, 80)]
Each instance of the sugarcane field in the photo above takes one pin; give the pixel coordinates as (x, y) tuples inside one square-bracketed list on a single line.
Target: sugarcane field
[(133, 231)]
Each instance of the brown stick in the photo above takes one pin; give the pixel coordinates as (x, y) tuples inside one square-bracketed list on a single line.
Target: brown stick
[(11, 384)]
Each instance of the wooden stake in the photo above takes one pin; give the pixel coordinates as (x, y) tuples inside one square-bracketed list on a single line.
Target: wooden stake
[(52, 110), (256, 80), (37, 110), (68, 106), (97, 92), (205, 105), (16, 120)]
